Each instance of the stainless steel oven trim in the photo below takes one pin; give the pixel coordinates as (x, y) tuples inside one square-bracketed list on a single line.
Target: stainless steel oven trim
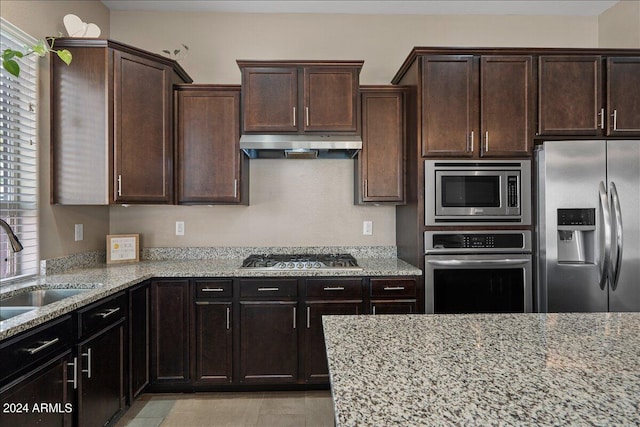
[(477, 261), (527, 246), (431, 167)]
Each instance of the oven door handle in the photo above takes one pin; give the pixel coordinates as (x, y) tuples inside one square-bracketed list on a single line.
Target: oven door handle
[(478, 262)]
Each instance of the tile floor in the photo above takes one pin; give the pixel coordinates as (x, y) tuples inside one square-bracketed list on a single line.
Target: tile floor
[(264, 409)]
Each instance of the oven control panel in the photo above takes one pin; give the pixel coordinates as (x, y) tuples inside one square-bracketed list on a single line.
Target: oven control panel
[(508, 241)]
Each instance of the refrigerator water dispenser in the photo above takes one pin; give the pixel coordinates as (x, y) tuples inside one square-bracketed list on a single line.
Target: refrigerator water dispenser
[(576, 236)]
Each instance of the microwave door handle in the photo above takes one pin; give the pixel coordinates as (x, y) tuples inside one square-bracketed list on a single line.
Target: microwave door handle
[(477, 262)]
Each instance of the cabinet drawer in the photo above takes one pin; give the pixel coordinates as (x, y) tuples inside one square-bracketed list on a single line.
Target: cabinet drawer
[(393, 288), (102, 314), (214, 288), (24, 350), (334, 288), (269, 288)]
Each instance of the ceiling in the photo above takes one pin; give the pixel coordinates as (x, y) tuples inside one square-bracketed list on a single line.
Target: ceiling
[(441, 7)]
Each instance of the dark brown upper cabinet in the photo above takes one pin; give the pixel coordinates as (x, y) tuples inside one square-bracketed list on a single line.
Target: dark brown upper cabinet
[(379, 176), (570, 95), (298, 97), (112, 124), (210, 167), (477, 106), (623, 96)]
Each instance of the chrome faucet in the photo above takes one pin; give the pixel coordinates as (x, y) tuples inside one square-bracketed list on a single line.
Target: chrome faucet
[(13, 239)]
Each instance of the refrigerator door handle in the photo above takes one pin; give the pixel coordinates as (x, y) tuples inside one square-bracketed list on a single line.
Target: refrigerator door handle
[(606, 227), (617, 215)]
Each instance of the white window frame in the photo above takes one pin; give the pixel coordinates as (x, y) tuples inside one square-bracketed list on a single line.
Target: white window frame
[(19, 158)]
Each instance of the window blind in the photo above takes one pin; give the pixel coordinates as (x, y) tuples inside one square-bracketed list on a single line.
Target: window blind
[(18, 157)]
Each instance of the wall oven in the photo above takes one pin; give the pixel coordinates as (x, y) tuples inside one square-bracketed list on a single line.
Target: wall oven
[(476, 192), (478, 271)]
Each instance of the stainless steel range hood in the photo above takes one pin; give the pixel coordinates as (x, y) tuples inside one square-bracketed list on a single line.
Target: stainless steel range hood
[(300, 146)]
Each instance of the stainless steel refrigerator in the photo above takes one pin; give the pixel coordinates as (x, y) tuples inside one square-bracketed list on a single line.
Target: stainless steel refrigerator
[(588, 226)]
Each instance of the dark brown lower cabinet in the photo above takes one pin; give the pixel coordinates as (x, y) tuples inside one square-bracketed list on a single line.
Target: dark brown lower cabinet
[(101, 367), (268, 342), (139, 301), (42, 397), (170, 312), (213, 343), (315, 355), (393, 307)]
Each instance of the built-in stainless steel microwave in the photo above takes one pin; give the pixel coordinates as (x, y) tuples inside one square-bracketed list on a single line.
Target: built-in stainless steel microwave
[(477, 192)]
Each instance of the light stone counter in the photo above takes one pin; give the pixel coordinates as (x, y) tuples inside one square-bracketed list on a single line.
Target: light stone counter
[(104, 280), (480, 370)]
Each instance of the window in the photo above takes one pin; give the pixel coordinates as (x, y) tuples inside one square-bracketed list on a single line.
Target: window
[(18, 157)]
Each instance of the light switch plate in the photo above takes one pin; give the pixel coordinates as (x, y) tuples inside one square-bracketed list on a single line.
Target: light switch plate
[(79, 232), (179, 228), (367, 228)]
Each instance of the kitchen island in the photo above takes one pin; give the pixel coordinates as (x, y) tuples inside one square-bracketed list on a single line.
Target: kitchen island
[(485, 369)]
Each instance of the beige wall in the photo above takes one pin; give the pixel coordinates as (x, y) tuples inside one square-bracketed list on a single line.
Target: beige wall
[(41, 19), (307, 202), (619, 26)]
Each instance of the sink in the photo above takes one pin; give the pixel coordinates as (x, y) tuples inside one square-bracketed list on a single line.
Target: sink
[(38, 298), (9, 312)]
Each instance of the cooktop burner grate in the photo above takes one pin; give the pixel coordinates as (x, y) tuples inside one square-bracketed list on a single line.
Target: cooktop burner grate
[(301, 262)]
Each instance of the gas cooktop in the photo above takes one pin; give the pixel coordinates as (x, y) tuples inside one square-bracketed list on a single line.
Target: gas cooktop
[(278, 262)]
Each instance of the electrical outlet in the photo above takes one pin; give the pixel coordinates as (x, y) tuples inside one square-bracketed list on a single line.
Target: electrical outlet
[(79, 232), (367, 228), (179, 228)]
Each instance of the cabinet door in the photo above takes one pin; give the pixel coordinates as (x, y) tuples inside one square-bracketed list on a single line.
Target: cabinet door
[(569, 95), (101, 371), (170, 302), (623, 93), (506, 96), (208, 146), (142, 129), (381, 160), (269, 99), (315, 366), (393, 307), (139, 304), (268, 342), (50, 383), (213, 342), (450, 117), (331, 99)]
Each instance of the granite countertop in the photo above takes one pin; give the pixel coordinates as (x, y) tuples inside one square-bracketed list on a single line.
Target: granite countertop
[(485, 369), (104, 280)]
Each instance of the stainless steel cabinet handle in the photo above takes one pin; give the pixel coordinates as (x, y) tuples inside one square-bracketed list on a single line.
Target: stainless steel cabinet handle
[(333, 288), (308, 317), (294, 116), (235, 188), (615, 119), (44, 345), (88, 356), (212, 290), (601, 114), (228, 318), (75, 373), (486, 142), (306, 113), (108, 313), (268, 289), (294, 318), (119, 185), (373, 309), (471, 150), (394, 288)]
